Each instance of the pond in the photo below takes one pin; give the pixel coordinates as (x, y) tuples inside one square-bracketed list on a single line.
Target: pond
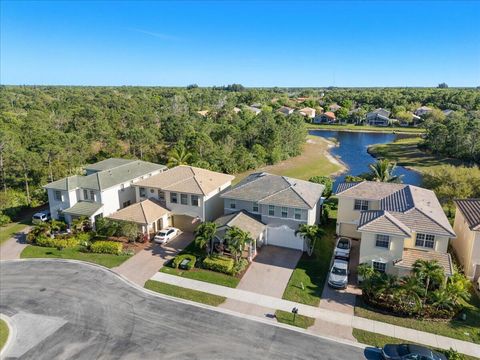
[(352, 150)]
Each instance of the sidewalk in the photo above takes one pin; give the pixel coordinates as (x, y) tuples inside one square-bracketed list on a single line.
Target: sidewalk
[(328, 316), (13, 247)]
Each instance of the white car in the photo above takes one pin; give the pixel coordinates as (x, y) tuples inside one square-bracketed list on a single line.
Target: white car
[(343, 247), (338, 276), (40, 217), (165, 235)]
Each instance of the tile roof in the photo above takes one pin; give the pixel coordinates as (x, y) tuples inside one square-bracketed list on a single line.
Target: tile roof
[(381, 112), (84, 208), (369, 190), (108, 164), (470, 208), (187, 179), (243, 220), (409, 257), (144, 212), (381, 221), (266, 188), (104, 179)]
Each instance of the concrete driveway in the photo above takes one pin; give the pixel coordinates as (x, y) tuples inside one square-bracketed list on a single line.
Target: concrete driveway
[(13, 247), (268, 274), (143, 265)]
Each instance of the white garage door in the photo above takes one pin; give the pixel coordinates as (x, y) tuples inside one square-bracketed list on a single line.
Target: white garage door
[(285, 237)]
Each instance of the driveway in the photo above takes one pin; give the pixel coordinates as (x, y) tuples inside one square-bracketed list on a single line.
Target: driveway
[(268, 274), (143, 265), (13, 247)]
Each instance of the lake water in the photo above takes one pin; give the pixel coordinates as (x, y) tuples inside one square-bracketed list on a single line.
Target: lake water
[(352, 150)]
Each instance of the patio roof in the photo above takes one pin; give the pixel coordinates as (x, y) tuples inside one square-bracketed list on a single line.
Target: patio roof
[(84, 208), (411, 255), (144, 213)]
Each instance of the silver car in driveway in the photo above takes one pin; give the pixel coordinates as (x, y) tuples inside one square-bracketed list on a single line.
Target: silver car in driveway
[(338, 276), (343, 247)]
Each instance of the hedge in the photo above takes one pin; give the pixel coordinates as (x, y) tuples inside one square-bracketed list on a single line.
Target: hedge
[(107, 247), (219, 263), (178, 259), (46, 241)]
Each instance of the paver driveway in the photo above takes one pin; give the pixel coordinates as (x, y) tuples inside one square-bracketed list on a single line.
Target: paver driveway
[(143, 265)]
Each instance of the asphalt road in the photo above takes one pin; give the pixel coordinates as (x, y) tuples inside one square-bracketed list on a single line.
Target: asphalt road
[(100, 316)]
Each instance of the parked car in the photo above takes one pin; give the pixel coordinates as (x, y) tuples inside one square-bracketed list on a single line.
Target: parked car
[(338, 276), (165, 235), (343, 247), (40, 217), (478, 284), (410, 351)]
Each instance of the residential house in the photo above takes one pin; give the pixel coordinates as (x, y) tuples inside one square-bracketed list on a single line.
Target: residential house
[(280, 202), (105, 188), (285, 110), (447, 112), (190, 195), (236, 110), (423, 110), (397, 224), (203, 112), (334, 107), (308, 112), (379, 117), (467, 243), (325, 118), (254, 109)]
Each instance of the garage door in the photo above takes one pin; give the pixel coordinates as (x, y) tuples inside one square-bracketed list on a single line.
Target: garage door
[(285, 237), (184, 223), (348, 230)]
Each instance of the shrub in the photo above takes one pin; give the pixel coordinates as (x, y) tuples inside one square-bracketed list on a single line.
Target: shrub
[(83, 237), (240, 266), (219, 263), (107, 247), (178, 259), (46, 241), (4, 219)]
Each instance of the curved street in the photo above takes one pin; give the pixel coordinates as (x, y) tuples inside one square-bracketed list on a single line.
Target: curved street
[(84, 312)]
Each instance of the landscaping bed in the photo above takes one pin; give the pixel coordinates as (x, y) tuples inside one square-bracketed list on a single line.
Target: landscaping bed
[(184, 293), (301, 321), (203, 275), (3, 333)]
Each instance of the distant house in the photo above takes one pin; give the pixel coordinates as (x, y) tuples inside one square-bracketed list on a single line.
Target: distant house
[(334, 107), (256, 105), (379, 117), (254, 109), (415, 120), (423, 110), (300, 99), (447, 112), (308, 112), (236, 110), (203, 112), (325, 118), (285, 110)]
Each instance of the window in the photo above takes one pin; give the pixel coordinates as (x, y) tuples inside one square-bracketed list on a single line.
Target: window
[(152, 191), (233, 204), (85, 194), (126, 203), (194, 200), (382, 241), (142, 192), (255, 207), (184, 199), (92, 195), (425, 240), (379, 266), (284, 212), (360, 205), (173, 198), (58, 195), (271, 210), (161, 195), (298, 214)]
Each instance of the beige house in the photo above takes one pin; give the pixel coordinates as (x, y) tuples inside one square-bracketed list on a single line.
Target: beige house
[(308, 112), (467, 243), (397, 224)]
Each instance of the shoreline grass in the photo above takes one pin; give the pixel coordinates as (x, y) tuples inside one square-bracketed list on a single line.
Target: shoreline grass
[(365, 128), (3, 333), (301, 321), (184, 293)]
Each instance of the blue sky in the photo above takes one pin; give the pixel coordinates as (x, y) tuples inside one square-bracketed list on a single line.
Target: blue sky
[(377, 43)]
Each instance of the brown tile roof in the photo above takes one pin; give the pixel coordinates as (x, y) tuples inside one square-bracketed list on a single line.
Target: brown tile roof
[(369, 190), (242, 220), (187, 179), (409, 257), (144, 212), (380, 221), (470, 208)]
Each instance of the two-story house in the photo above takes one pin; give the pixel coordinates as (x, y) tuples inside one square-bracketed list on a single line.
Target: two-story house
[(379, 117), (105, 188), (397, 224), (467, 243), (280, 202), (191, 195)]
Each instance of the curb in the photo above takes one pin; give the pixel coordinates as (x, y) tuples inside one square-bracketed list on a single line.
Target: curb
[(12, 334), (193, 303)]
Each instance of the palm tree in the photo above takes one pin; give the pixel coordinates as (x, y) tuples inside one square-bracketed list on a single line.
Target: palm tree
[(410, 289), (387, 286), (382, 171), (236, 239), (310, 233), (429, 273), (365, 271), (204, 235), (179, 155), (441, 300), (80, 224), (458, 288)]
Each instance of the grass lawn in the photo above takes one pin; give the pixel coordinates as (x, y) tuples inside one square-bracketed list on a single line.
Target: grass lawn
[(406, 153), (378, 340), (300, 320), (203, 275), (468, 330), (183, 293), (352, 127), (9, 230), (312, 271), (314, 160), (106, 260), (3, 333)]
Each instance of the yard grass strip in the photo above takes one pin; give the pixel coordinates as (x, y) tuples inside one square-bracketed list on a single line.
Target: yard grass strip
[(301, 321), (203, 275), (3, 333), (107, 260), (184, 293), (9, 230)]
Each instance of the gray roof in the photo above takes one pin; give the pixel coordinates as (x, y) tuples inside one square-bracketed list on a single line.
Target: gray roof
[(84, 208), (105, 179), (108, 164), (266, 188), (243, 220), (409, 257), (470, 208), (412, 207), (381, 112)]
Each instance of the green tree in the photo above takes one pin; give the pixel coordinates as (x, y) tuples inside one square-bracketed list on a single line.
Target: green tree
[(236, 239), (430, 273), (204, 236), (179, 155), (128, 229), (310, 233), (382, 171), (326, 181)]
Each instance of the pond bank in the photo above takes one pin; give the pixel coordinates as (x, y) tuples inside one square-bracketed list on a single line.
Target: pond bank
[(366, 129)]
